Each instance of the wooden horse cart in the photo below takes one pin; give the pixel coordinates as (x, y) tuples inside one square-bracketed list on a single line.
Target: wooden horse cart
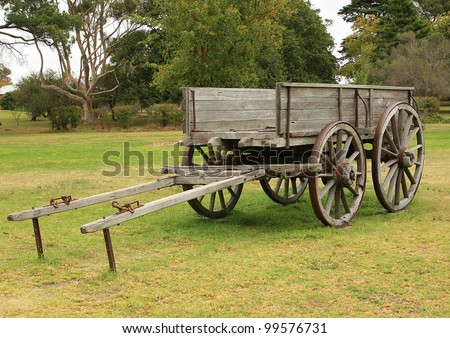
[(288, 138)]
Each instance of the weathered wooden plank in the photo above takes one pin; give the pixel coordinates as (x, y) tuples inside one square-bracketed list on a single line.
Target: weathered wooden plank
[(323, 85), (235, 115), (258, 139), (239, 105), (96, 199), (166, 202), (232, 94), (244, 125)]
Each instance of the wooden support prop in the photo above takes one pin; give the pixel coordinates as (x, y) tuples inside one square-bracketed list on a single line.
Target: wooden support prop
[(109, 250), (84, 202), (37, 237), (169, 201)]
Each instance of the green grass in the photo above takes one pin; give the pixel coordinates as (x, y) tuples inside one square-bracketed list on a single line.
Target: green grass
[(264, 260)]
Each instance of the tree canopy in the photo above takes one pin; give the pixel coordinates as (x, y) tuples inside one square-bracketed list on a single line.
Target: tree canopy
[(232, 43), (378, 42)]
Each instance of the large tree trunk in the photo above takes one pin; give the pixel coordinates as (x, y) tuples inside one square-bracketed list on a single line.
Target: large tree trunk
[(88, 112)]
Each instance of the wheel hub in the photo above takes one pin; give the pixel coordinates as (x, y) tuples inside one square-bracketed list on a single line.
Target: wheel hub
[(406, 158), (345, 175)]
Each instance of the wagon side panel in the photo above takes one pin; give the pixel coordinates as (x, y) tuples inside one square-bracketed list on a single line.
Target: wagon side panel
[(304, 109), (228, 109)]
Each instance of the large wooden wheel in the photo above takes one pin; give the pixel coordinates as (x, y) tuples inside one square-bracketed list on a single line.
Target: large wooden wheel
[(337, 191), (216, 204), (284, 188), (398, 156)]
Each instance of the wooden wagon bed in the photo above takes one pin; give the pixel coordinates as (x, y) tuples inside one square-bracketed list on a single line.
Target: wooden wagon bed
[(290, 115)]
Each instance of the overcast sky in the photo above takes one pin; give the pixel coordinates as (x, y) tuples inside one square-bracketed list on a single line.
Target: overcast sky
[(31, 63)]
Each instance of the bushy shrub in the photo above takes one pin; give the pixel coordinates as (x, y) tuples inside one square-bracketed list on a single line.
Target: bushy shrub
[(429, 105), (433, 118), (124, 114), (104, 115), (166, 114), (7, 101), (62, 117)]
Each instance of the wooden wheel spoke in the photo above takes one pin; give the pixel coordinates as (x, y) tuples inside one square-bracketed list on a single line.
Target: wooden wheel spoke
[(327, 188), (353, 157), (417, 147), (200, 199), (222, 199), (406, 129), (212, 201), (329, 161), (339, 142), (395, 132), (352, 190), (278, 186), (330, 200), (388, 152), (337, 203), (389, 139), (389, 176), (202, 152), (286, 187), (410, 176), (344, 201), (411, 136), (388, 164), (404, 186), (392, 184), (294, 185), (331, 151), (397, 186), (231, 191), (211, 152), (327, 175), (347, 145)]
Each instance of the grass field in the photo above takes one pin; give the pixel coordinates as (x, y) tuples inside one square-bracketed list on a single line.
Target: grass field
[(264, 260)]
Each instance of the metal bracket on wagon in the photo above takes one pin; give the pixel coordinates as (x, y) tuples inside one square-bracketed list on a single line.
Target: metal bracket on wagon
[(125, 207), (66, 199)]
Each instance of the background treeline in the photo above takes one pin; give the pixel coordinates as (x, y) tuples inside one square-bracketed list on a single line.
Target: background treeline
[(223, 43)]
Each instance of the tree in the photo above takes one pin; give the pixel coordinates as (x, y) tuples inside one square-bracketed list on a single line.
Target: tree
[(216, 43), (244, 44), (307, 46), (433, 9), (359, 49), (361, 8), (376, 26), (399, 16), (37, 101), (144, 52), (94, 28), (422, 63)]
